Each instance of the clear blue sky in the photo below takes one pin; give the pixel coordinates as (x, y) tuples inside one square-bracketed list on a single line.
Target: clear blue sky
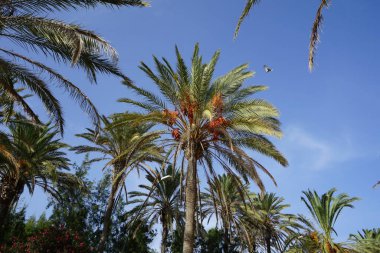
[(330, 117)]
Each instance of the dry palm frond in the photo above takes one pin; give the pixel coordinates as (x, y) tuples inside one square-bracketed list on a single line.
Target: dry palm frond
[(314, 37), (246, 10)]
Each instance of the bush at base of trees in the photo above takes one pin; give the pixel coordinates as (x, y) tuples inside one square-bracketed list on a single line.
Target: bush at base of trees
[(50, 239)]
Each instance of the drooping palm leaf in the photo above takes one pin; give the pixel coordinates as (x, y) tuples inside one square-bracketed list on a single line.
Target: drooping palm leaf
[(24, 23)]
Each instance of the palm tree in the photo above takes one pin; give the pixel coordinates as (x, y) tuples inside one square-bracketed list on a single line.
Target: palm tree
[(225, 200), (126, 148), (160, 202), (325, 210), (24, 22), (31, 155), (207, 120), (314, 37), (273, 226), (367, 241)]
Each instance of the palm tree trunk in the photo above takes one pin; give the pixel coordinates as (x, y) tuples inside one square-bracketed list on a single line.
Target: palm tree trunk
[(254, 247), (267, 242), (9, 195), (107, 217), (190, 202), (164, 237), (226, 240), (5, 206)]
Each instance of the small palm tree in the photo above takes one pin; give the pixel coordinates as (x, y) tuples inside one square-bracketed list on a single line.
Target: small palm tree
[(25, 23), (126, 148), (325, 211), (31, 155), (272, 224), (314, 37), (207, 120), (225, 200), (160, 202)]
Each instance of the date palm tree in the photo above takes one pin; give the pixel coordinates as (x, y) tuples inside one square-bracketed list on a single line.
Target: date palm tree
[(314, 37), (24, 23), (31, 155), (207, 120), (325, 210), (125, 148), (160, 202)]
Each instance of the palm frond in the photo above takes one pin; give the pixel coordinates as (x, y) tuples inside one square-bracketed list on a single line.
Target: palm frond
[(248, 6), (314, 37)]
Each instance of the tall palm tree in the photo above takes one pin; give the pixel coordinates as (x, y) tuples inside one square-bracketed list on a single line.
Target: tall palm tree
[(125, 148), (31, 155), (24, 23), (160, 202), (273, 225), (225, 200), (207, 120), (314, 37), (325, 210)]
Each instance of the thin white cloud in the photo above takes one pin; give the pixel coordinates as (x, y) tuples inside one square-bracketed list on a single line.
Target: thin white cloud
[(310, 151)]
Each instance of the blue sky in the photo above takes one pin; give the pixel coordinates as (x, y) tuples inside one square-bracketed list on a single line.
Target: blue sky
[(330, 116)]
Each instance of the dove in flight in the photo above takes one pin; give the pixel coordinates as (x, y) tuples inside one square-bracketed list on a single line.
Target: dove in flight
[(267, 69)]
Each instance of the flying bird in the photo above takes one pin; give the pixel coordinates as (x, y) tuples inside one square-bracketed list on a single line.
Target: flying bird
[(267, 69)]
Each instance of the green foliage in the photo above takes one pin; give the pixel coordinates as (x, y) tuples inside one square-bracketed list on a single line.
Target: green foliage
[(14, 225), (32, 225), (135, 240), (78, 213), (213, 241), (366, 241), (73, 208)]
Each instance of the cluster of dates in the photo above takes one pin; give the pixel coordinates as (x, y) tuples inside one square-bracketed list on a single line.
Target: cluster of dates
[(188, 109)]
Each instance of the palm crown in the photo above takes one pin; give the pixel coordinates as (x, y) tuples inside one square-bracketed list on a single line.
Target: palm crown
[(160, 202), (367, 241), (31, 155), (228, 202), (125, 148), (218, 116), (325, 210), (273, 226)]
